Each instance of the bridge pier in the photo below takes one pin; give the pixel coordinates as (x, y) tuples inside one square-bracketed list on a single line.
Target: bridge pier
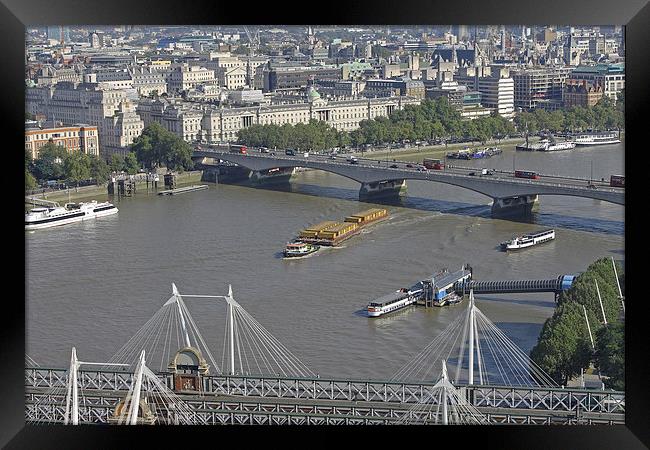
[(381, 189), (223, 174), (272, 176), (517, 205)]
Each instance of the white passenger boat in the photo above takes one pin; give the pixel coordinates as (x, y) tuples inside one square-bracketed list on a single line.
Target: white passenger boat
[(528, 240), (556, 146), (392, 302), (45, 217), (596, 138)]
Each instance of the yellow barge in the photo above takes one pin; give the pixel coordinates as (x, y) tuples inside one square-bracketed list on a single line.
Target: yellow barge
[(332, 233)]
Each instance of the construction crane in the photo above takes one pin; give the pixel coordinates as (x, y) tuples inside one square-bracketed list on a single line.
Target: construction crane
[(253, 42), (59, 53)]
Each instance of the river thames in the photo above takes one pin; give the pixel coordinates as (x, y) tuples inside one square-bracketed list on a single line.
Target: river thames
[(92, 285)]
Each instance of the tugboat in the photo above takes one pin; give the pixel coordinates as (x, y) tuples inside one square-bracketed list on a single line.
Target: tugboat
[(299, 249), (528, 240)]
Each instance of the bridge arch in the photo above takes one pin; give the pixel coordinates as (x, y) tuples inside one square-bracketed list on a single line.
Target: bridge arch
[(495, 189)]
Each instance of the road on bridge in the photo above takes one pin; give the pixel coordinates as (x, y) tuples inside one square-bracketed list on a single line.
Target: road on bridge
[(417, 168)]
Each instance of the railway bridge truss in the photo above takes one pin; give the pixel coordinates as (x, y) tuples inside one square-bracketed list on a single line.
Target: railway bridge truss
[(265, 400)]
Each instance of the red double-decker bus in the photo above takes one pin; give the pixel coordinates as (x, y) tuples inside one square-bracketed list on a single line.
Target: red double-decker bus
[(526, 174), (617, 181), (435, 164)]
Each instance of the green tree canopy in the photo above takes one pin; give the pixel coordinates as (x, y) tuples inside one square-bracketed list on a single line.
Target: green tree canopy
[(610, 355), (49, 164), (99, 170), (157, 147), (117, 162), (30, 181), (131, 165), (584, 292), (564, 346), (77, 167)]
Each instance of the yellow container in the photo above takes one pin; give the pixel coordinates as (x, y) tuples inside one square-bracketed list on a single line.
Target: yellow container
[(371, 214), (321, 226)]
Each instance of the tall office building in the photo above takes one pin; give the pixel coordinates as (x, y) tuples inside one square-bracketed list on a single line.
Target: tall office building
[(54, 32)]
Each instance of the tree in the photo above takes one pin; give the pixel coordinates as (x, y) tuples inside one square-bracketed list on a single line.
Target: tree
[(143, 149), (583, 290), (564, 347), (30, 181), (149, 147), (131, 165), (49, 164), (156, 147), (77, 167), (99, 170), (117, 162), (28, 159), (610, 354), (178, 154)]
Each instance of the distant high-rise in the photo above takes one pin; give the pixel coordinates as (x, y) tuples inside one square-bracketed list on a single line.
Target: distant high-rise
[(461, 31), (54, 32)]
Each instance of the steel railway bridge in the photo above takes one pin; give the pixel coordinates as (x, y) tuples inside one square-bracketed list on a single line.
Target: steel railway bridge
[(266, 400), (186, 392)]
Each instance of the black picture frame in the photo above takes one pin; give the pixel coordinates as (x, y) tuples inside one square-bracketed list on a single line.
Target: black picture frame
[(634, 14)]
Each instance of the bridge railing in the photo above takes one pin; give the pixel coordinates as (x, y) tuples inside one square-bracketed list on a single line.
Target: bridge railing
[(349, 390), (436, 174)]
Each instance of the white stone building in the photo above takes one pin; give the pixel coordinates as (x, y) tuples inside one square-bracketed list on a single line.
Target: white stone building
[(184, 76), (72, 103), (217, 124), (121, 129), (147, 79)]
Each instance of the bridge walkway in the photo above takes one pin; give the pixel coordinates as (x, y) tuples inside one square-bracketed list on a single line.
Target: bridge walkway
[(98, 406), (556, 285)]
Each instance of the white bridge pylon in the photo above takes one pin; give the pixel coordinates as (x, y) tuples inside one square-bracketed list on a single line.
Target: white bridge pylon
[(248, 348), (72, 396), (450, 406), (483, 355), (160, 405)]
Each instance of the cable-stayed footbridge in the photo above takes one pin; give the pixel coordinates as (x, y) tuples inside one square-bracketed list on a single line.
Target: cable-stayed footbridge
[(259, 381)]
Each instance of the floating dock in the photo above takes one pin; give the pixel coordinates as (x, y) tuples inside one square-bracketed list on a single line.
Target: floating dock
[(448, 288), (183, 190)]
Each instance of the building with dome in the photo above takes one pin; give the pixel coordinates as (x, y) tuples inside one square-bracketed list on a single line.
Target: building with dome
[(215, 124)]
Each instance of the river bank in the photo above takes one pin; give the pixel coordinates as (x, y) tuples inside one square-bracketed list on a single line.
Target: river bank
[(437, 150), (100, 192)]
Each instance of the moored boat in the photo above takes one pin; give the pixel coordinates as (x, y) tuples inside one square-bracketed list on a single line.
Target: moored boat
[(392, 302), (557, 146), (585, 139), (46, 217)]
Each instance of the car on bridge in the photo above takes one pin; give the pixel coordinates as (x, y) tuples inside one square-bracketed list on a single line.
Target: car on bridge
[(393, 166), (290, 152)]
